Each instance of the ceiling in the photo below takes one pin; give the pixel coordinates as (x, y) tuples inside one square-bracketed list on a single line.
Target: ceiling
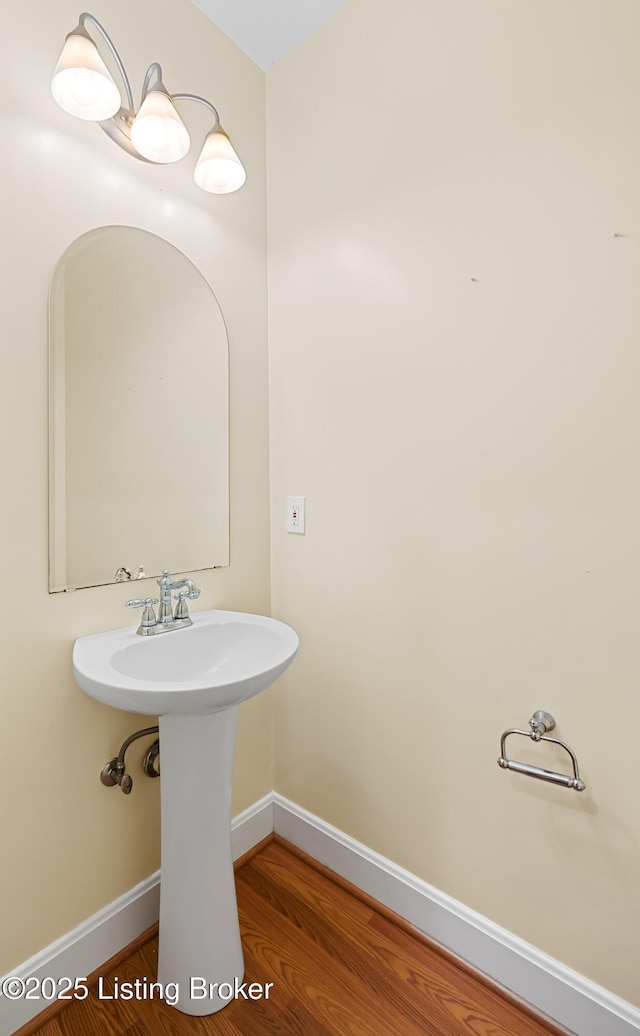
[(268, 29)]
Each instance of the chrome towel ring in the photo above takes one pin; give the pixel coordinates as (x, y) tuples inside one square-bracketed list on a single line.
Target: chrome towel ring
[(540, 723)]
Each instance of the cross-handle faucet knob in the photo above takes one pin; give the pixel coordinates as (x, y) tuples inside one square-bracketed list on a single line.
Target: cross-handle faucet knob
[(148, 615)]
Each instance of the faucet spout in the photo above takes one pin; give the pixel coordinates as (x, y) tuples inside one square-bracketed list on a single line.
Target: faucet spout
[(193, 590)]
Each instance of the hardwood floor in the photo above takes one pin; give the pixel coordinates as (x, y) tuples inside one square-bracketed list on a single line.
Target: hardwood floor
[(340, 966)]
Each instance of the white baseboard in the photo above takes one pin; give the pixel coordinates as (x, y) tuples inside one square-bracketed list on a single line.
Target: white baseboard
[(251, 826), (549, 987), (84, 949), (552, 989)]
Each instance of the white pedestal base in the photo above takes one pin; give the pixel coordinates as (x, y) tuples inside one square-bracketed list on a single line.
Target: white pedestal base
[(199, 931)]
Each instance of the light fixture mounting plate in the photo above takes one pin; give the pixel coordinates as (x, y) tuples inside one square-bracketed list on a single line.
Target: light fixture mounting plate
[(119, 129)]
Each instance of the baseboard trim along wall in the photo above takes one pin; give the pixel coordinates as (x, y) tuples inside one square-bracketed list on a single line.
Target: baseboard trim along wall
[(550, 988), (531, 976), (83, 949)]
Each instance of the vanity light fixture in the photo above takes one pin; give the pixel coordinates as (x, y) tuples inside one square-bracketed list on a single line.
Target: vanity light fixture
[(83, 86)]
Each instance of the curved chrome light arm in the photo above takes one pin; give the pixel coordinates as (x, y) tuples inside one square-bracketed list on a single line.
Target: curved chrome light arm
[(86, 17), (201, 100), (154, 67)]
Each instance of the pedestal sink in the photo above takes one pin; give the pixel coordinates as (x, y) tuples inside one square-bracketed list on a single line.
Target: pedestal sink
[(193, 679)]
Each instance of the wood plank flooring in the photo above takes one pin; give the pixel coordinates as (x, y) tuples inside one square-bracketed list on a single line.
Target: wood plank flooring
[(340, 966)]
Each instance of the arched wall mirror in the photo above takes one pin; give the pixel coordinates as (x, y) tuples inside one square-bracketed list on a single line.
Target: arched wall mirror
[(139, 413)]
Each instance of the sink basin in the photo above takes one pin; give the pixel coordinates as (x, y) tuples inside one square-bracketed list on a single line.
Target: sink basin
[(223, 659), (194, 679)]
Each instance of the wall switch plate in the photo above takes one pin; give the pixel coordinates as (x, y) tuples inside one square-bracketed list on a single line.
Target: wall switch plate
[(295, 514)]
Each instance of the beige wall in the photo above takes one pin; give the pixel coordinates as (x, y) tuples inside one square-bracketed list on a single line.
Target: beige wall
[(454, 371), (70, 846)]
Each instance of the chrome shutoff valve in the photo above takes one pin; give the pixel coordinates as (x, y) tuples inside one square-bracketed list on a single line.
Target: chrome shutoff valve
[(113, 773)]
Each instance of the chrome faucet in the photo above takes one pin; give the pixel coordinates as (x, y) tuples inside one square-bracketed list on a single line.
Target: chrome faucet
[(166, 619)]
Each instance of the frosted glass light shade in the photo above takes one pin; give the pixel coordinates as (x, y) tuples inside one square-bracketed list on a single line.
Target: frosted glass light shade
[(158, 133), (218, 169), (81, 82)]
